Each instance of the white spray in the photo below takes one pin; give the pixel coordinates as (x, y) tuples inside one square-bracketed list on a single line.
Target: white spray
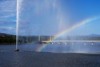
[(18, 7)]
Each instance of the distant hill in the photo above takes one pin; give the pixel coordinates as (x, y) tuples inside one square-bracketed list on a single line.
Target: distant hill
[(11, 39), (95, 35), (4, 34), (7, 38)]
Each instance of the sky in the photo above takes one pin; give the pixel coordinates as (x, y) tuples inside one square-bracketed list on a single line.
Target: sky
[(7, 16), (48, 17)]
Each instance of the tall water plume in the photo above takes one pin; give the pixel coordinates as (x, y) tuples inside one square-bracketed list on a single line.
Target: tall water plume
[(18, 9)]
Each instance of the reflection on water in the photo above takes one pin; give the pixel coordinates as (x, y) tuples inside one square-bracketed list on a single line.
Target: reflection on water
[(57, 48), (73, 47)]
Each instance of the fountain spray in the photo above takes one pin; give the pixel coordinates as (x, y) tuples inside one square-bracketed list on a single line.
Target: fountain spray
[(18, 7)]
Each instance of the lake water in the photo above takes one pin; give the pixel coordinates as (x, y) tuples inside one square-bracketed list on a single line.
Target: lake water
[(56, 48), (62, 55)]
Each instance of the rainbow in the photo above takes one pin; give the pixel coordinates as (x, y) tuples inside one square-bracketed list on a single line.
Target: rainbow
[(69, 30)]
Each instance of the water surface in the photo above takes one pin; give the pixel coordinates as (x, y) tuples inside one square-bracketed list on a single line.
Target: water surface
[(56, 48)]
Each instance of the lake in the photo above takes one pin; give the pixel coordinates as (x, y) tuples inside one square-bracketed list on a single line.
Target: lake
[(56, 48), (51, 55)]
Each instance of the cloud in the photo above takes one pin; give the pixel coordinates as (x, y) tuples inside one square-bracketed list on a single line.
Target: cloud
[(7, 9), (7, 28), (8, 5), (8, 16)]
